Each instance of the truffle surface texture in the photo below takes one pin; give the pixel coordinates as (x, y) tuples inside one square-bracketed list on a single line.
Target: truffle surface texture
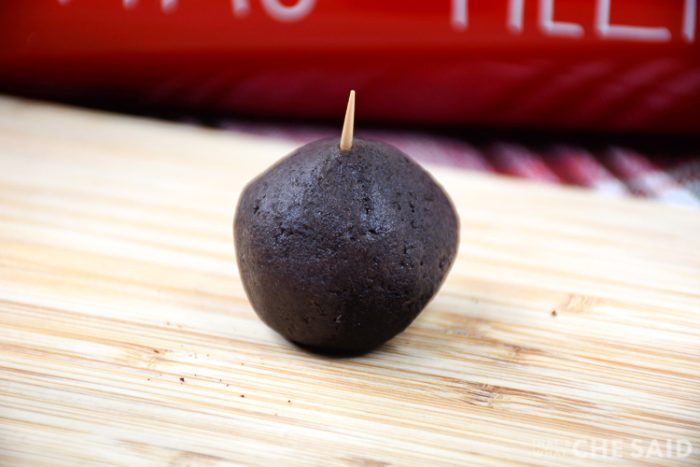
[(339, 251)]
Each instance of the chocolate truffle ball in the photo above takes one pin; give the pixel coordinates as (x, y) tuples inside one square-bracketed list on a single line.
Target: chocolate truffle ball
[(340, 250)]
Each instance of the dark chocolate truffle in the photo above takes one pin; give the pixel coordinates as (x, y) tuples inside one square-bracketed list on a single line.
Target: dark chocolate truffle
[(341, 250)]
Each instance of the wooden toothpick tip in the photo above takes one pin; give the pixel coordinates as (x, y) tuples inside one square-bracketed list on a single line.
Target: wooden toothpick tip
[(348, 125)]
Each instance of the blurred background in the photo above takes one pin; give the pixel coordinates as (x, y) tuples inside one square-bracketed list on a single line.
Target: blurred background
[(603, 94)]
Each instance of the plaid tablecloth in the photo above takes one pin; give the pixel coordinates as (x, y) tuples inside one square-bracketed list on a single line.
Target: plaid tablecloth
[(665, 168)]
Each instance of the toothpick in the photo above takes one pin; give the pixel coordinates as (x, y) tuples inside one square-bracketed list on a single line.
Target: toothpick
[(348, 125)]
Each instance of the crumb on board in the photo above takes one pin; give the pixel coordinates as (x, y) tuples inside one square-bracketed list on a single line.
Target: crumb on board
[(182, 380), (243, 396), (554, 313)]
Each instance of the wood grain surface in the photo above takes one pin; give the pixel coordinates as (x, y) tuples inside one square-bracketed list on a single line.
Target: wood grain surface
[(569, 328)]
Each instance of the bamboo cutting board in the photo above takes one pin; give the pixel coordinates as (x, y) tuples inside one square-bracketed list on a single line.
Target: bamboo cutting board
[(569, 325)]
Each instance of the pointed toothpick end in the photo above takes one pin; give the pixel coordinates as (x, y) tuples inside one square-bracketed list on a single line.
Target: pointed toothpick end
[(349, 124)]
